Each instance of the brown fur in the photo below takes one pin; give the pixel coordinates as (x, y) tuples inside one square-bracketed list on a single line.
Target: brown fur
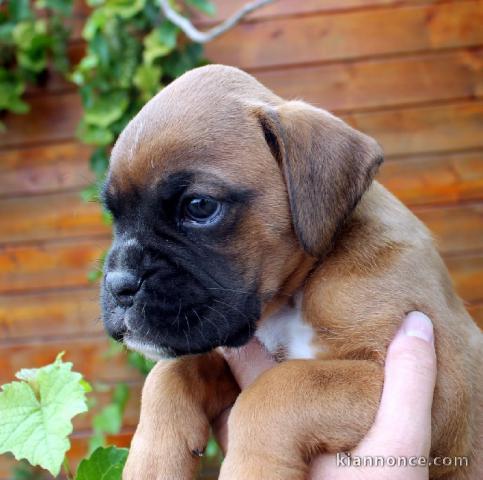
[(362, 264)]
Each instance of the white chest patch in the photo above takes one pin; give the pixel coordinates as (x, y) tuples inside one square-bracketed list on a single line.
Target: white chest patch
[(287, 331)]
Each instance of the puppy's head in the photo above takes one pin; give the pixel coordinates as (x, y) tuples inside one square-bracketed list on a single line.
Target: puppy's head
[(219, 190)]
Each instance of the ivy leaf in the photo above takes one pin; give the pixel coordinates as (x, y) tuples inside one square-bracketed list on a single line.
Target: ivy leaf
[(148, 80), (99, 161), (139, 362), (93, 135), (64, 7), (160, 42), (204, 6), (124, 8), (36, 413), (103, 464), (107, 108), (20, 10)]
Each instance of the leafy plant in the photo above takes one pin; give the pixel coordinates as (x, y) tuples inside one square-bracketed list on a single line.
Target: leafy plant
[(132, 52), (36, 419), (36, 413), (103, 464), (32, 36)]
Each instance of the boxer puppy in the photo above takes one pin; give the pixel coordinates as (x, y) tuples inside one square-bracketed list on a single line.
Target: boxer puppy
[(237, 213)]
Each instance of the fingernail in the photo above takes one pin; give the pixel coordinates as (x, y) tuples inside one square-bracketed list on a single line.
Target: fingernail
[(417, 324)]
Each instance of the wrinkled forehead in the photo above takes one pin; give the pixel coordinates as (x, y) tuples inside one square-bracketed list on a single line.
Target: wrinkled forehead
[(161, 141)]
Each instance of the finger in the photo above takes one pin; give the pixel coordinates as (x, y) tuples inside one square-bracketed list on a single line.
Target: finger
[(248, 362), (403, 422)]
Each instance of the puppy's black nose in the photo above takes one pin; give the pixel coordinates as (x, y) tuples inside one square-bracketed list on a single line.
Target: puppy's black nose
[(124, 286)]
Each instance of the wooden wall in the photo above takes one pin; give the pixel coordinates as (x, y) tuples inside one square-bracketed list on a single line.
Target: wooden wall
[(407, 72)]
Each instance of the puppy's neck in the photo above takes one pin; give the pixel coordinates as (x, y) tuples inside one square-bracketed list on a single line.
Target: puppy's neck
[(285, 334), (293, 283)]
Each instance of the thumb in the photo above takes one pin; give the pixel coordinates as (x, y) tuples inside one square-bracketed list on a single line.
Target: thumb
[(403, 422)]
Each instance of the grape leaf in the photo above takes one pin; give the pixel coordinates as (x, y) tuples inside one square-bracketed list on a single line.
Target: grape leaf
[(103, 464), (36, 413)]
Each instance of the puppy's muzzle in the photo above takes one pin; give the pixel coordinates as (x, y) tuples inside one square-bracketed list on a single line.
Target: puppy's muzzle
[(123, 285)]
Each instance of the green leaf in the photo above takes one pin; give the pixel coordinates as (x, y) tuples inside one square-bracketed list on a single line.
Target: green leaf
[(90, 193), (124, 8), (93, 135), (20, 10), (121, 395), (139, 362), (109, 420), (94, 275), (36, 413), (204, 6), (99, 161), (148, 80), (94, 23), (64, 7), (107, 108), (160, 42), (103, 464)]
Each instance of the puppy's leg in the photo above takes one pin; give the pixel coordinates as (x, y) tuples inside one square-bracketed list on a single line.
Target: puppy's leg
[(180, 398), (296, 410)]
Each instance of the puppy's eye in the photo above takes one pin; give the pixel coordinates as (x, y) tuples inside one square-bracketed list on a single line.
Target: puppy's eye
[(201, 210)]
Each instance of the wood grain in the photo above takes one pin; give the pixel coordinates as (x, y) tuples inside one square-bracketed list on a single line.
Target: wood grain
[(420, 130), (52, 313), (467, 274), (64, 215), (52, 265), (52, 118), (457, 229), (61, 215), (58, 313), (90, 356), (381, 83), (405, 131), (435, 179), (349, 35), (40, 169)]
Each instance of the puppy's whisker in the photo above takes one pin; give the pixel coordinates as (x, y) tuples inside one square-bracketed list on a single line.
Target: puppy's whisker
[(233, 308), (229, 290), (187, 341)]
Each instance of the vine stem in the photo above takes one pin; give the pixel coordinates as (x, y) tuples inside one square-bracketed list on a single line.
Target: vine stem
[(67, 469), (203, 37)]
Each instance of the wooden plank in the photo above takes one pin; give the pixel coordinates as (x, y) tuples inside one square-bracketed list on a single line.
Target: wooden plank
[(51, 313), (435, 178), (349, 35), (404, 131), (52, 118), (52, 265), (279, 8), (27, 267), (421, 130), (53, 216), (65, 216), (456, 229), (288, 7), (476, 311), (89, 355), (79, 448), (416, 180), (42, 169), (382, 83), (467, 274)]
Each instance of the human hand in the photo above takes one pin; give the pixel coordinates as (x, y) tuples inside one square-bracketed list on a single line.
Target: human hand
[(402, 428)]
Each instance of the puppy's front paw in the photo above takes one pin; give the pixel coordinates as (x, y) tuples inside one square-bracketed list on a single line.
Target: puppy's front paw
[(171, 455)]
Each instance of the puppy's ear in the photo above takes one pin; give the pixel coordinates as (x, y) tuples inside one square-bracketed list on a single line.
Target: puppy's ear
[(327, 166)]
